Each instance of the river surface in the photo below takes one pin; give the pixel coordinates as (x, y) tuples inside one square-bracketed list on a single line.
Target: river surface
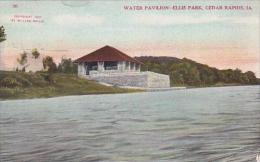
[(204, 124)]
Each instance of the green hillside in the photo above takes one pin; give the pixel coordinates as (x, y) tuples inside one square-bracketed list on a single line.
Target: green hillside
[(14, 85), (185, 72)]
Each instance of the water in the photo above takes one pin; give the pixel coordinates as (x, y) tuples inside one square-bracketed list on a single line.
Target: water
[(206, 124)]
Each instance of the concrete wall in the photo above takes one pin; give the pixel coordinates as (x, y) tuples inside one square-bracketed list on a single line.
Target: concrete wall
[(122, 77), (133, 79), (156, 80)]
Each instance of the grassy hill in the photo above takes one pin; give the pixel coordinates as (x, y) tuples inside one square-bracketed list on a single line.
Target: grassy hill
[(183, 72), (186, 72), (14, 85)]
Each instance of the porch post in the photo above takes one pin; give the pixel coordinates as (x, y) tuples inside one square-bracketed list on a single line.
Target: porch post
[(124, 66), (100, 66), (139, 67)]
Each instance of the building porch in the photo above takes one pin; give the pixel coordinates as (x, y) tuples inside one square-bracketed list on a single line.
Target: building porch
[(99, 67)]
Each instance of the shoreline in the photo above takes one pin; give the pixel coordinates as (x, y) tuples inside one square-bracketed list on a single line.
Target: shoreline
[(224, 85), (111, 93), (58, 96), (20, 85)]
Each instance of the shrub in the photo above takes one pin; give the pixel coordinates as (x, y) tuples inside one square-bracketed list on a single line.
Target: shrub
[(48, 77), (37, 79), (10, 82), (10, 92), (24, 82)]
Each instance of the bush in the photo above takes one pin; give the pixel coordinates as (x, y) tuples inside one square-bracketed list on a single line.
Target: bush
[(24, 82), (10, 92), (10, 82), (38, 79), (48, 77), (67, 66)]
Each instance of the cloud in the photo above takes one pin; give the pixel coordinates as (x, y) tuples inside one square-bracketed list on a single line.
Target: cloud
[(189, 19), (77, 19)]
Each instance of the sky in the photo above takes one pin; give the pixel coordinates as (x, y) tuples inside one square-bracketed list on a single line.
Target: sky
[(220, 38)]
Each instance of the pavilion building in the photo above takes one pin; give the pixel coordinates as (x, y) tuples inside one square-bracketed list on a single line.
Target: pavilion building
[(111, 66)]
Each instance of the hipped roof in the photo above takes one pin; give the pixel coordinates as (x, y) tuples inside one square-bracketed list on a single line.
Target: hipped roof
[(106, 53)]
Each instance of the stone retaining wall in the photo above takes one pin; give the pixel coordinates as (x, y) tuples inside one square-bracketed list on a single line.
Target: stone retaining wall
[(156, 80), (135, 79)]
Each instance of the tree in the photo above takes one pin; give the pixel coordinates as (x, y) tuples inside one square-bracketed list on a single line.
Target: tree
[(187, 72), (49, 64), (67, 66), (23, 60), (2, 34), (251, 77), (35, 53)]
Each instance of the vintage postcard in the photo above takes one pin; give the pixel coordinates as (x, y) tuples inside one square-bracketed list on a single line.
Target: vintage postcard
[(129, 81)]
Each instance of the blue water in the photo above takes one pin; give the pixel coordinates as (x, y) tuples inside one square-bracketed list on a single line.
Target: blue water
[(204, 124)]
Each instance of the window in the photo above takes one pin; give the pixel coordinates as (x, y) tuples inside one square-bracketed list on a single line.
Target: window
[(110, 65), (92, 66), (132, 66), (137, 66), (127, 65)]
